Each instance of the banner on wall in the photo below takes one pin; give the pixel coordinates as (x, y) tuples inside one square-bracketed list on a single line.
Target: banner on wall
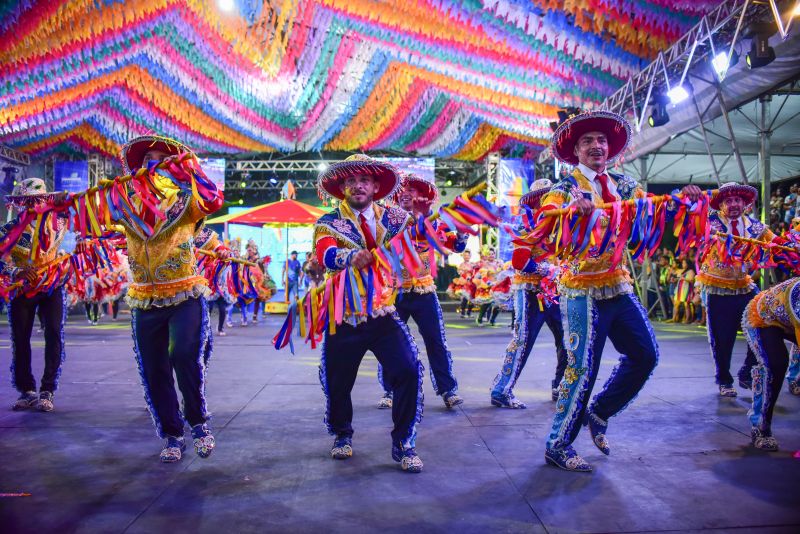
[(215, 170), (72, 176), (514, 178)]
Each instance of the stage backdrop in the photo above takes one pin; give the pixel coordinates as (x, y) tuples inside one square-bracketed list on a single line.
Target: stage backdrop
[(72, 176)]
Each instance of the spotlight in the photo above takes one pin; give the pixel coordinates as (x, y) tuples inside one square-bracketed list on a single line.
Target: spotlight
[(322, 167), (448, 183), (659, 115), (761, 54), (273, 180), (241, 201), (796, 12), (244, 184), (452, 173), (721, 63), (678, 94), (226, 5)]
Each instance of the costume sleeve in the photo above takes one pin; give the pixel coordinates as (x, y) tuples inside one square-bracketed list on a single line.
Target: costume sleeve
[(329, 253), (7, 267)]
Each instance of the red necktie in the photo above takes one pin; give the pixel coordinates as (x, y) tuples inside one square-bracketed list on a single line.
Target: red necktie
[(367, 233), (608, 196), (735, 225)]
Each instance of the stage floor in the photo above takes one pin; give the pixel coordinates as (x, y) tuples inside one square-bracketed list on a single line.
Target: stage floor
[(680, 461)]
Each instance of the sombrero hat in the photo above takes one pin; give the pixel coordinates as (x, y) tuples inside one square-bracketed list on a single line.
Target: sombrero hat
[(28, 192), (384, 173), (732, 189), (616, 128), (133, 152), (538, 189), (427, 188)]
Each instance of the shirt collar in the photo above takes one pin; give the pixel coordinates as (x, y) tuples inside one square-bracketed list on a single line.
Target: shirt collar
[(590, 174), (368, 213)]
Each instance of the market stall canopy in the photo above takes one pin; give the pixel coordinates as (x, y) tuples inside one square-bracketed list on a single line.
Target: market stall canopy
[(443, 78), (284, 213)]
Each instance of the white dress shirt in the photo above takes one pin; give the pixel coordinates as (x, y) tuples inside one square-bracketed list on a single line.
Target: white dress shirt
[(591, 175)]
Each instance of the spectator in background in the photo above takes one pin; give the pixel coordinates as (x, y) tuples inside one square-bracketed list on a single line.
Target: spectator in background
[(789, 204), (292, 273), (663, 283), (775, 204), (684, 276)]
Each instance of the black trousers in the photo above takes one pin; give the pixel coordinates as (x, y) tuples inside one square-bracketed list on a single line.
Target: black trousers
[(388, 338), (466, 307), (92, 311), (724, 317), (222, 307), (173, 339), (21, 316), (427, 313)]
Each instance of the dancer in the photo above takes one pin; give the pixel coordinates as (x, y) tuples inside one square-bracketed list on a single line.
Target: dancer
[(486, 269), (22, 308), (533, 307), (220, 297), (417, 298), (462, 286), (345, 237), (727, 286), (169, 313), (770, 317), (597, 302)]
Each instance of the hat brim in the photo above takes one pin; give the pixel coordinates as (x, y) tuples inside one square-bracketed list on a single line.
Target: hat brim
[(615, 127), (532, 198), (428, 190), (748, 193), (132, 154), (384, 174)]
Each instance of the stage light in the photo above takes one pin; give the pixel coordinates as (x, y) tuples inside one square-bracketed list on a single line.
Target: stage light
[(322, 167), (678, 94), (796, 12), (761, 53), (244, 184), (659, 115), (721, 63), (273, 181), (241, 201), (448, 183), (226, 5)]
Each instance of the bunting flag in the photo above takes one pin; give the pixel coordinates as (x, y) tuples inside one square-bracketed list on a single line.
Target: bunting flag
[(444, 78), (783, 252)]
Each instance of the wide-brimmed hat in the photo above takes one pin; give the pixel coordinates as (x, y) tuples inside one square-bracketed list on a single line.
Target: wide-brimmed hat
[(384, 173), (614, 126), (424, 186), (28, 192), (732, 189), (538, 189), (133, 152)]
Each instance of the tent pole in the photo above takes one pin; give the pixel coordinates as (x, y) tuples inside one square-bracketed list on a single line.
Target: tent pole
[(286, 276)]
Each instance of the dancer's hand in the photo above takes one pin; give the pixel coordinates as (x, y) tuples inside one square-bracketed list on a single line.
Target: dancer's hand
[(361, 259), (692, 192), (583, 206), (28, 274)]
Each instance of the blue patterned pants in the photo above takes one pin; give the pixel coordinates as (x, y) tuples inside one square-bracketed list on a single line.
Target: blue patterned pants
[(588, 322), (529, 321), (773, 362), (427, 313)]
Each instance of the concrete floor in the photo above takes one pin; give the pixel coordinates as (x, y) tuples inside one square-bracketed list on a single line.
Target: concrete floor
[(681, 459)]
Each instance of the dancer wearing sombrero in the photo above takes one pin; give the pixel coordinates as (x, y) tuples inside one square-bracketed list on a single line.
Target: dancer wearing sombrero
[(532, 309), (345, 237), (597, 302), (169, 313), (22, 309), (770, 318), (417, 298), (727, 286)]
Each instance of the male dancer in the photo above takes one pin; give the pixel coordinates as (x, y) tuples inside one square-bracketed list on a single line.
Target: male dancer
[(531, 311), (22, 308), (770, 318), (418, 298), (727, 286), (169, 313), (345, 238), (597, 302), (465, 272)]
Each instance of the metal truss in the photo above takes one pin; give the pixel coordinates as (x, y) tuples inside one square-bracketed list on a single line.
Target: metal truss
[(14, 156), (718, 30), (492, 237)]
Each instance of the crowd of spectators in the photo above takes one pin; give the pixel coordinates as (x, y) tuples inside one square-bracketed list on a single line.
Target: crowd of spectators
[(784, 205), (680, 293)]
